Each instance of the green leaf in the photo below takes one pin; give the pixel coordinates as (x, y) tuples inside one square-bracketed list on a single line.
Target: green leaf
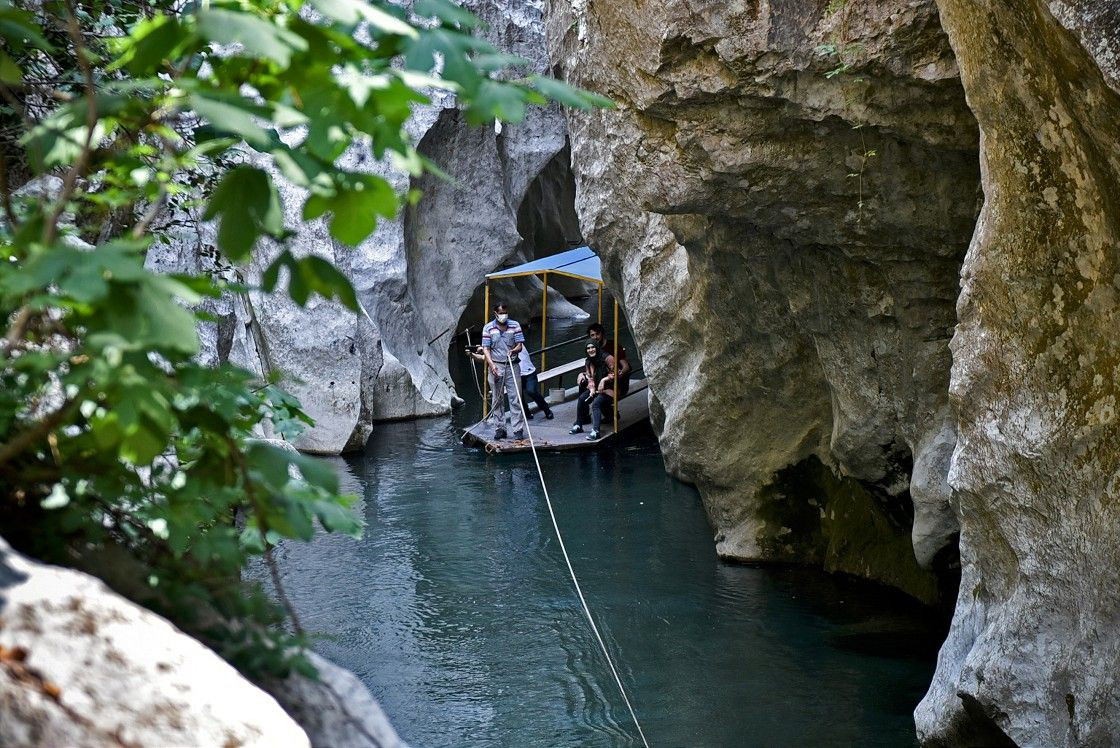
[(142, 445), (356, 203), (352, 11), (448, 12), (9, 70), (308, 275), (248, 205), (298, 167), (234, 115), (60, 138), (270, 463), (497, 100), (151, 44), (21, 31), (317, 472), (258, 36), (496, 61), (335, 517), (167, 325)]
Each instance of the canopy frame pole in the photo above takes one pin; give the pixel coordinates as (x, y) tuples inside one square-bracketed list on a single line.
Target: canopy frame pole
[(544, 322), (486, 373), (600, 303), (617, 366)]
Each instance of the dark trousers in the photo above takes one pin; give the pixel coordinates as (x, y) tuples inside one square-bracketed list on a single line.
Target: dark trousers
[(532, 390), (588, 408)]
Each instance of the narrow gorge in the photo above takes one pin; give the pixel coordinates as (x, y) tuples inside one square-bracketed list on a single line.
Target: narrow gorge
[(867, 253)]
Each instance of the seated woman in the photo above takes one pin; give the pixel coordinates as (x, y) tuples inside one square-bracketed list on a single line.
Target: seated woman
[(600, 373)]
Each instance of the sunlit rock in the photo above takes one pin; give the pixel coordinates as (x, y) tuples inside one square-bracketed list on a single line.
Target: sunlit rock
[(80, 665), (335, 709)]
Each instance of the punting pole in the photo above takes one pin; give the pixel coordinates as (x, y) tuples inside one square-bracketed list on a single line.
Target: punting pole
[(544, 321), (617, 366), (486, 374)]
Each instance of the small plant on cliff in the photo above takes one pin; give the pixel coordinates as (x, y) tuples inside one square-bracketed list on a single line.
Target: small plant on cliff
[(118, 451), (861, 157)]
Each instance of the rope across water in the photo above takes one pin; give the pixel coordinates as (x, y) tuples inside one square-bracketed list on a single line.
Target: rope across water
[(568, 561)]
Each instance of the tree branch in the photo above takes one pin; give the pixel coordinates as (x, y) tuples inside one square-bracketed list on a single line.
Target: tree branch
[(270, 560), (15, 332), (50, 229), (35, 433), (6, 194), (150, 214)]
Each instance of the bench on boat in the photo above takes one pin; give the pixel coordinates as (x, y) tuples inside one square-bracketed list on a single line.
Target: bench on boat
[(558, 372)]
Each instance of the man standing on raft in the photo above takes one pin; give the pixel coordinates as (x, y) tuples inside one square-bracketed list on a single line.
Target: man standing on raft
[(502, 341)]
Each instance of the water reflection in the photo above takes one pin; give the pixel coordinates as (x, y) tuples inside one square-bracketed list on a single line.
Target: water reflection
[(456, 610)]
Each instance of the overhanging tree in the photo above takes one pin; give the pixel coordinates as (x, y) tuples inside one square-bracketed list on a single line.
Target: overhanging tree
[(115, 443)]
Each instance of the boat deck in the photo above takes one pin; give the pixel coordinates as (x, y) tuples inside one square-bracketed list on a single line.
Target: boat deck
[(553, 435)]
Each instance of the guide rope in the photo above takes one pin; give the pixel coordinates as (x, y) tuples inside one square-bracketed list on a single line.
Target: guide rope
[(568, 561)]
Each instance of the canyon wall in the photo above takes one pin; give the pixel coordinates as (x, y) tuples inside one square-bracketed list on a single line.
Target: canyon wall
[(784, 194), (1033, 650), (509, 199)]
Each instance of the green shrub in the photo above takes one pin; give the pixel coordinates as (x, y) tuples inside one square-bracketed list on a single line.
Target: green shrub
[(119, 452)]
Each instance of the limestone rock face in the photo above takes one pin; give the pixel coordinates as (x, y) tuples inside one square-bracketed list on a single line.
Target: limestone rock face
[(80, 665), (511, 199), (1033, 650), (336, 710), (784, 194)]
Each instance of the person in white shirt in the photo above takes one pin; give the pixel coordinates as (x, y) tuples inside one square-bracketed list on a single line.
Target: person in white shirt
[(530, 387)]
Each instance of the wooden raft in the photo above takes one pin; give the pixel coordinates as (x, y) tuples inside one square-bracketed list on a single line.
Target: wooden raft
[(553, 436)]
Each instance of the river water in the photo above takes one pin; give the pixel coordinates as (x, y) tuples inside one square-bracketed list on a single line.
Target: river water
[(457, 611)]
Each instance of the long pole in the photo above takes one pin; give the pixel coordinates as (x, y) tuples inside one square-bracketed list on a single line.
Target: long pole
[(600, 303), (486, 373), (616, 366), (544, 322)]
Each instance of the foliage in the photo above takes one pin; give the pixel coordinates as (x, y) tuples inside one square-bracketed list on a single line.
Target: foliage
[(845, 54), (861, 157), (118, 450)]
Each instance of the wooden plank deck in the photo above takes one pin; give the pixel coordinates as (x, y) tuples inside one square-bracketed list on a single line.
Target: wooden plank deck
[(553, 436)]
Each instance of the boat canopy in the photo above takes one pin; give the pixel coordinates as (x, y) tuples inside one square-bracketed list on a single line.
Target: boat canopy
[(581, 263)]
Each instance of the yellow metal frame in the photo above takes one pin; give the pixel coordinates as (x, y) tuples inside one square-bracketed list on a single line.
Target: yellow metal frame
[(538, 272), (617, 366), (544, 331), (485, 372)]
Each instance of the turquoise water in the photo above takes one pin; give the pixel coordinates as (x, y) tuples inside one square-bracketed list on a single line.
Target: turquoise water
[(457, 612)]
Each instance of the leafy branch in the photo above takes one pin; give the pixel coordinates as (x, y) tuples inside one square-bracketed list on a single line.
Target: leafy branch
[(113, 438)]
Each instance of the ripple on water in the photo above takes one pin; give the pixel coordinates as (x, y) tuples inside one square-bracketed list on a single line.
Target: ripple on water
[(457, 612)]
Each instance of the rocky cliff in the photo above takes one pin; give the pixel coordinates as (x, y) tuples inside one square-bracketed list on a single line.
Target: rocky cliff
[(1033, 651), (510, 199), (80, 665), (784, 194)]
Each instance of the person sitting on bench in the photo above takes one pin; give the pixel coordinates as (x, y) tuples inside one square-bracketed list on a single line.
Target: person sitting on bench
[(598, 335), (599, 371)]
